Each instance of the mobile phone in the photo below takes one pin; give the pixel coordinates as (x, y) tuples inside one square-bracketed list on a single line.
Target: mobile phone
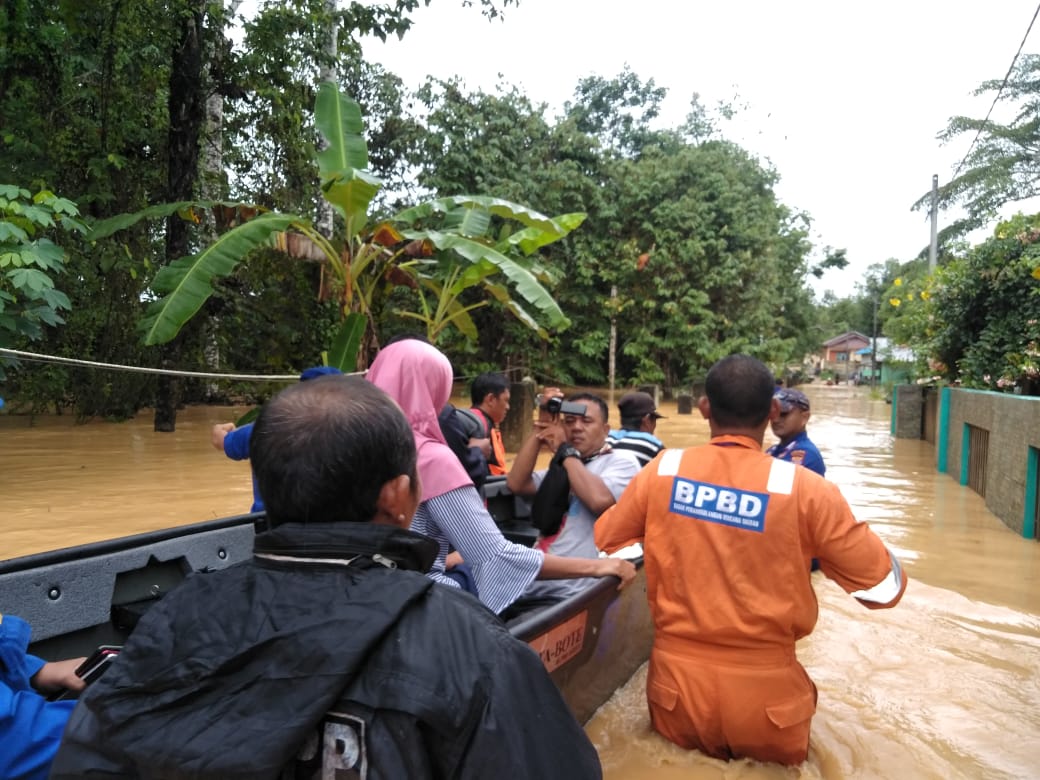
[(98, 662), (91, 669)]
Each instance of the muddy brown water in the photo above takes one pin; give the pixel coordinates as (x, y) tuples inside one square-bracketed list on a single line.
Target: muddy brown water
[(946, 685)]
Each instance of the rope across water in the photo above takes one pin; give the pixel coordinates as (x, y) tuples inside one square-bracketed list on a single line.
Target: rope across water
[(33, 356)]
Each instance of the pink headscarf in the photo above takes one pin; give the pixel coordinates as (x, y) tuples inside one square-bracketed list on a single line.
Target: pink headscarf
[(418, 376)]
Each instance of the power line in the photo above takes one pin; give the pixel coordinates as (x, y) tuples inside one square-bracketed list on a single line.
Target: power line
[(33, 356), (999, 91)]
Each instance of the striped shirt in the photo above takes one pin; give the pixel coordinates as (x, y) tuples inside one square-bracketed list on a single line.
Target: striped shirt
[(459, 520), (644, 445)]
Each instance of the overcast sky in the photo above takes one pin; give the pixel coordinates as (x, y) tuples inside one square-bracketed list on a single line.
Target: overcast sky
[(844, 99)]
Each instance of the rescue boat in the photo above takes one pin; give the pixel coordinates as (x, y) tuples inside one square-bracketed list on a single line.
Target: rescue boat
[(79, 598)]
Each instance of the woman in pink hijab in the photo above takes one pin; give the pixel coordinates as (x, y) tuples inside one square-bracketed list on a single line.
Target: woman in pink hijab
[(419, 377)]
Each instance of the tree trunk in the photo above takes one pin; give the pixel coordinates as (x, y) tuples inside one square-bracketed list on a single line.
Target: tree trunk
[(187, 113), (213, 185), (328, 72)]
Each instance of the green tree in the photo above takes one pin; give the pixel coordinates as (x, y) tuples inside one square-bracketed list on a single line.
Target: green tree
[(981, 318), (453, 231), (29, 262), (1001, 166), (703, 257), (87, 91)]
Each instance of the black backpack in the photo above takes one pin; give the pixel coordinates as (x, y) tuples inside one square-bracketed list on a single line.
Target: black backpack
[(552, 500)]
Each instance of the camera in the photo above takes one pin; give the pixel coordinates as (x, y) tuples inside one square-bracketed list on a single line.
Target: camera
[(557, 405)]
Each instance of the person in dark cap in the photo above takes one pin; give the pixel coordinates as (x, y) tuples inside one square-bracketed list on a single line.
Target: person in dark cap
[(639, 418), (795, 445), (234, 442)]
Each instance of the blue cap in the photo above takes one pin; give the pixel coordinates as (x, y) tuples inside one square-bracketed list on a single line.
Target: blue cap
[(789, 399), (316, 371)]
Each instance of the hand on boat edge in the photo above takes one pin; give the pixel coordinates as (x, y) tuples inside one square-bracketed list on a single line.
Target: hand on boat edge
[(620, 568)]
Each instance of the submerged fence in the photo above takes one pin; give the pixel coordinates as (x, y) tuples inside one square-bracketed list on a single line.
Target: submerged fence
[(989, 441)]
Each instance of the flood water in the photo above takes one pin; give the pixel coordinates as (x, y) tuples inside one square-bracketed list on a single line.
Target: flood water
[(946, 685)]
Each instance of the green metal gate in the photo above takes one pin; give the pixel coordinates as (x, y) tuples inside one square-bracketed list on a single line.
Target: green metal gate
[(978, 454)]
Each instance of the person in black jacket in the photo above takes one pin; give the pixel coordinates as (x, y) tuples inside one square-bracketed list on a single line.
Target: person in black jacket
[(328, 652)]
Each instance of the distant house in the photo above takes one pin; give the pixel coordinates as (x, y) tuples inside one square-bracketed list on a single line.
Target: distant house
[(893, 362), (840, 353)]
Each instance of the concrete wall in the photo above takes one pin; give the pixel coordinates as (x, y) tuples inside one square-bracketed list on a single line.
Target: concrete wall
[(907, 411), (1013, 422)]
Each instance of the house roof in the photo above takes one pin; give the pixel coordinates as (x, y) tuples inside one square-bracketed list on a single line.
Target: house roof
[(846, 337)]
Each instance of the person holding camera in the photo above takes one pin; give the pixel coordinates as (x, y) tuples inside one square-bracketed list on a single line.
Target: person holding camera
[(418, 377), (585, 477)]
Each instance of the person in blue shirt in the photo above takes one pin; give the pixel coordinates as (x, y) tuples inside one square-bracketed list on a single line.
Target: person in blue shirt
[(795, 445), (234, 442), (30, 726)]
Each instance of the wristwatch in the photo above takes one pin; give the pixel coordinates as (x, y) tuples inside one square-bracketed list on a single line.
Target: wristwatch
[(567, 451)]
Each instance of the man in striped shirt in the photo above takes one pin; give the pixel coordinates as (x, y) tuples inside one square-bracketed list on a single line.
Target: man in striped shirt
[(639, 418)]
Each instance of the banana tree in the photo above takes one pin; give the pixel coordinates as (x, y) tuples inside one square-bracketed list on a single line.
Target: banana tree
[(444, 246)]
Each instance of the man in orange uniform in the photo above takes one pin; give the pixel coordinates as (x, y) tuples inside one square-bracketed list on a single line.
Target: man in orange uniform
[(728, 533)]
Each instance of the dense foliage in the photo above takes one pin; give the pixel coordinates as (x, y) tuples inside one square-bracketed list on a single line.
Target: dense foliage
[(978, 317), (685, 253), (29, 260)]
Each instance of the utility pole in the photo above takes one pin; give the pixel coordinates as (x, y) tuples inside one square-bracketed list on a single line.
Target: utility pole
[(933, 246), (873, 347), (611, 364)]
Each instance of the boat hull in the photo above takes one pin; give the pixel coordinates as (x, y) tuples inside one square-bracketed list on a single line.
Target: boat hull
[(79, 598)]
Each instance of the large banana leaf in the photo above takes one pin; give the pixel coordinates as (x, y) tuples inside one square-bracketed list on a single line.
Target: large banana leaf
[(501, 294), (344, 350), (187, 283), (526, 285), (345, 182), (350, 192), (467, 222), (107, 227), (531, 239), (338, 119), (497, 206)]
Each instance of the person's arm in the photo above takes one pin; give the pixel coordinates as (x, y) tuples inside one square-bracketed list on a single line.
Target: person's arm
[(558, 567), (236, 442), (548, 432), (217, 434), (59, 675), (519, 480), (850, 553), (481, 445), (502, 569), (30, 726)]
